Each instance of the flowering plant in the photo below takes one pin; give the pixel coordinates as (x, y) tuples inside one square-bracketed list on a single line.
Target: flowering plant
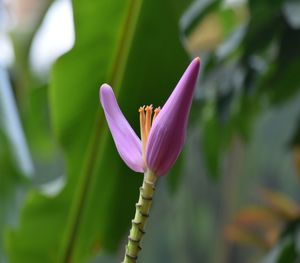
[(162, 139)]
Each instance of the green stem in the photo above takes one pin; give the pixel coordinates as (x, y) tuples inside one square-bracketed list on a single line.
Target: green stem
[(141, 214)]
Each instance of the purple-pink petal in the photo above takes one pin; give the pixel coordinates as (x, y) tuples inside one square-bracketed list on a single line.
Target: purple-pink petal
[(167, 134), (127, 142)]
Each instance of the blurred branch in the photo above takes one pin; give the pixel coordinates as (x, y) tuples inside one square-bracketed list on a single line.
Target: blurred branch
[(13, 126), (22, 40)]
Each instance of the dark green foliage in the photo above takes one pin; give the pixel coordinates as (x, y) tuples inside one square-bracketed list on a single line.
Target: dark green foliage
[(260, 68)]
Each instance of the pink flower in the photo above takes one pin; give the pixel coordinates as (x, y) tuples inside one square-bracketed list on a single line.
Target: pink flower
[(163, 138)]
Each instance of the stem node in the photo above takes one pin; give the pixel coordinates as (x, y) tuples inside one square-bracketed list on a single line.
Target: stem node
[(141, 214)]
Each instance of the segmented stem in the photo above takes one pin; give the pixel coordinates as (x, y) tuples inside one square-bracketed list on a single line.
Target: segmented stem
[(141, 214)]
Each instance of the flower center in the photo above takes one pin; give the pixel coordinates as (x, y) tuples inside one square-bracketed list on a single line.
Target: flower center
[(146, 121)]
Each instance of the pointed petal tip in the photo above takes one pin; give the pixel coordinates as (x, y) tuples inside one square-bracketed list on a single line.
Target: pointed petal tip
[(197, 59), (196, 63), (168, 132)]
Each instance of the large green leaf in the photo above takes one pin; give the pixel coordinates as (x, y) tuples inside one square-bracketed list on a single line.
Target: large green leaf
[(12, 188), (135, 47)]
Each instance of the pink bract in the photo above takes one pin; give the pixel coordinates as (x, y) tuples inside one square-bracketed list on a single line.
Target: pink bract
[(167, 134)]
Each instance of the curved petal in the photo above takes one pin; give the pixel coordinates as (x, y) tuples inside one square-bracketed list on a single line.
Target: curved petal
[(127, 142), (167, 134)]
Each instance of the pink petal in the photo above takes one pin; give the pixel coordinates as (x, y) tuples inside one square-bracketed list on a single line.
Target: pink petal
[(127, 142), (167, 134)]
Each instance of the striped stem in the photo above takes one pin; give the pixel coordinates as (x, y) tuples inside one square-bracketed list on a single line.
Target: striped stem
[(141, 214)]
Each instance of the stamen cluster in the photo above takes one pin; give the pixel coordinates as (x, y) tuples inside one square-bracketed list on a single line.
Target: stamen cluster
[(146, 121)]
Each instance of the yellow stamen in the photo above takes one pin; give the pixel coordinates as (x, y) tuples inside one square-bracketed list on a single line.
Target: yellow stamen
[(148, 120), (156, 111), (145, 124), (142, 128)]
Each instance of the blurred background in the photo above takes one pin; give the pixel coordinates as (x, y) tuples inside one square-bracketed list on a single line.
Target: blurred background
[(66, 196)]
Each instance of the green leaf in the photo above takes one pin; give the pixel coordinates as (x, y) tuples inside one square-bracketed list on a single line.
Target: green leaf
[(198, 11), (135, 47), (265, 24), (174, 176), (283, 79), (283, 252), (12, 189), (288, 254), (212, 142), (37, 122)]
